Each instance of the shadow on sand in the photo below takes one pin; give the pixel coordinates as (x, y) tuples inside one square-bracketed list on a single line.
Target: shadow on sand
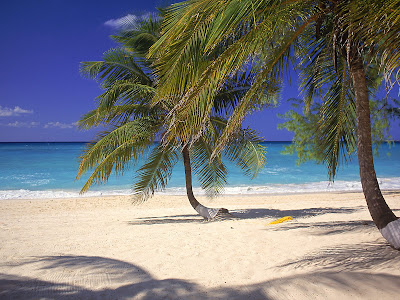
[(238, 214), (329, 228), (392, 193), (365, 256), (174, 219), (295, 213), (92, 277)]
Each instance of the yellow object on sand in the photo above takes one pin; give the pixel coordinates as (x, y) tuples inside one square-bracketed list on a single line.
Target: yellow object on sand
[(281, 220)]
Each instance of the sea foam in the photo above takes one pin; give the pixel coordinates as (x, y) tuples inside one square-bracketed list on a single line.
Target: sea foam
[(312, 187)]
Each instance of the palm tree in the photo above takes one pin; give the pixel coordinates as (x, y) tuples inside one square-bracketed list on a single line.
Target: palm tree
[(134, 124), (336, 41)]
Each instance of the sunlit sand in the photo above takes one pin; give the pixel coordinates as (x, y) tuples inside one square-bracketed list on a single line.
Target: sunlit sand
[(108, 248)]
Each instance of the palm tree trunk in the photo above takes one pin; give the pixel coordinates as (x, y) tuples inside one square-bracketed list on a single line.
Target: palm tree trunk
[(382, 215), (205, 212)]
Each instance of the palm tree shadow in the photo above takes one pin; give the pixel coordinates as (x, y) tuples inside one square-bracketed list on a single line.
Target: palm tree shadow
[(123, 281), (260, 213), (174, 219), (360, 257), (76, 273), (329, 228), (237, 214), (92, 277), (391, 192)]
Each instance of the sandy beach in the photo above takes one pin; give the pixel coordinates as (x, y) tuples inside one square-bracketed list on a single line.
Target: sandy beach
[(108, 248)]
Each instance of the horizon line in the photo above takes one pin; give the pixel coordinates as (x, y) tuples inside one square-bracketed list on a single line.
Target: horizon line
[(91, 141)]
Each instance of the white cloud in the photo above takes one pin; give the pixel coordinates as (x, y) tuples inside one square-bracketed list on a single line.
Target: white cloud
[(59, 125), (121, 22), (16, 111), (23, 124), (128, 20)]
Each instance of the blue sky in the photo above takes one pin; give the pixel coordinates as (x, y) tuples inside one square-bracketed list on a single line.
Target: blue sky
[(42, 94)]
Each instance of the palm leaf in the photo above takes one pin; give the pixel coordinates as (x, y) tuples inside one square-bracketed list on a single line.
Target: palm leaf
[(117, 114), (115, 150), (127, 92), (117, 64), (247, 152), (155, 173), (211, 174), (139, 35)]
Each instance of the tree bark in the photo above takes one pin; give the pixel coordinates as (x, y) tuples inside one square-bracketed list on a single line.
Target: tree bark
[(207, 213), (381, 214)]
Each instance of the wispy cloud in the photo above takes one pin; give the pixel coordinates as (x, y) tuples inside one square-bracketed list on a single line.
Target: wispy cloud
[(128, 20), (60, 125), (23, 124), (12, 112), (122, 22)]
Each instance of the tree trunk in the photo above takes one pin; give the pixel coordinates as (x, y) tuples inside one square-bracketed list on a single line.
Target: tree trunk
[(207, 213), (387, 223)]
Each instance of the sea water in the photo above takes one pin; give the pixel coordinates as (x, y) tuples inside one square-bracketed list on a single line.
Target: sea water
[(48, 170)]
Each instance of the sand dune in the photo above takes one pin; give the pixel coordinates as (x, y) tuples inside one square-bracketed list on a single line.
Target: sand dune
[(107, 248)]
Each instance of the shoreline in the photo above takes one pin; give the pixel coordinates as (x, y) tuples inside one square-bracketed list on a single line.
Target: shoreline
[(244, 191), (170, 200), (105, 247)]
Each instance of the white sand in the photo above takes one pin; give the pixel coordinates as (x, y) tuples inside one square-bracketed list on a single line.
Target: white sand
[(107, 248)]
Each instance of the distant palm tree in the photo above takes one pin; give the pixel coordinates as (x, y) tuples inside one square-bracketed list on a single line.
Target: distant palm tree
[(126, 107), (336, 41)]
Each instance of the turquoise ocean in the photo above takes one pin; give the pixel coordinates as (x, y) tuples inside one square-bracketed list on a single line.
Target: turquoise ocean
[(48, 170)]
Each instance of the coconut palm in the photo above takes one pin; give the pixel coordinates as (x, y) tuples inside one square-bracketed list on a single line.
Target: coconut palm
[(134, 124), (336, 43)]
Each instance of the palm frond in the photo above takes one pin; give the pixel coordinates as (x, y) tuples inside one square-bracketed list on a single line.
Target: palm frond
[(155, 174), (377, 25), (247, 152), (117, 64), (138, 35), (336, 128), (126, 92), (116, 115), (212, 174), (232, 91), (115, 150), (197, 104)]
